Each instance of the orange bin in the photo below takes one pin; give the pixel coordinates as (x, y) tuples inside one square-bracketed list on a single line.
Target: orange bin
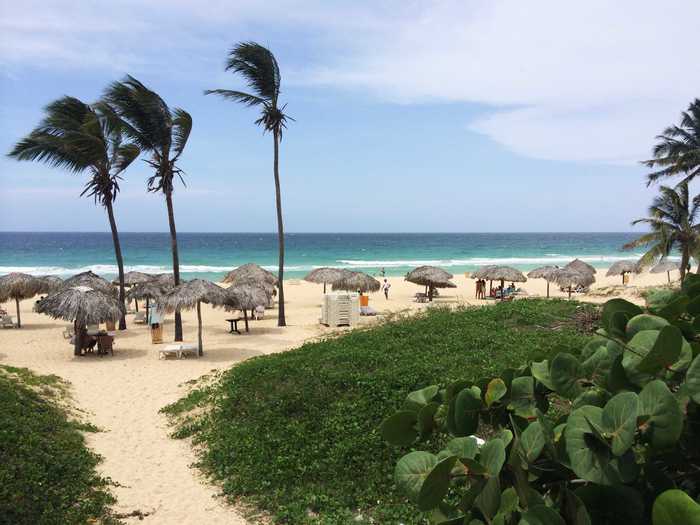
[(364, 300)]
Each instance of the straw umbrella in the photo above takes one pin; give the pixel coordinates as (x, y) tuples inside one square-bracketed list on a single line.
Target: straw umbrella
[(246, 297), (543, 272), (192, 294), (325, 276), (666, 266), (250, 273), (357, 281), (91, 280), (568, 278), (82, 305), (132, 278), (578, 265), (19, 286), (148, 290), (481, 273), (51, 283), (504, 273), (432, 277), (623, 267)]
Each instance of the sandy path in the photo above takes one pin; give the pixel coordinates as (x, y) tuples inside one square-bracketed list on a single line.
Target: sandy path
[(122, 394)]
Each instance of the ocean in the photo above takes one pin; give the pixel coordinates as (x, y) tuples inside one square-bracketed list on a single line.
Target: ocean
[(211, 255)]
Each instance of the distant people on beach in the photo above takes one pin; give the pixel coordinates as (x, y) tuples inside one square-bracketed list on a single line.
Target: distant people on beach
[(386, 287), (480, 289)]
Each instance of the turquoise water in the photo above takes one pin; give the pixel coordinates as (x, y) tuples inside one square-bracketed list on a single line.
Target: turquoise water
[(211, 255)]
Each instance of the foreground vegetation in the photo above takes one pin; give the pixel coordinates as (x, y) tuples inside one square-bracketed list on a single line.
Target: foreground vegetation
[(47, 474), (296, 433)]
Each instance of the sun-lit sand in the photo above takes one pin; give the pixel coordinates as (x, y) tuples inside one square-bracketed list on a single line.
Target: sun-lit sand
[(122, 394)]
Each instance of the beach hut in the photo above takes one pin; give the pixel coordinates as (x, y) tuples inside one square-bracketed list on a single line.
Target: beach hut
[(19, 286), (431, 277), (578, 265), (246, 297), (357, 281), (543, 272), (666, 266), (82, 305), (192, 294), (325, 276), (503, 274), (250, 273), (622, 268), (568, 279), (90, 280)]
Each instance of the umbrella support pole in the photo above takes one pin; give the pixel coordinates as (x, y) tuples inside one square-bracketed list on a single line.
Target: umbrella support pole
[(324, 288), (19, 318), (77, 338), (569, 291), (668, 274), (136, 301), (245, 318), (547, 289), (503, 295), (199, 328)]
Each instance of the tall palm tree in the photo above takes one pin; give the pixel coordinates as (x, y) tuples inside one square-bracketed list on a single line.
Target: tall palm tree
[(259, 68), (83, 138), (678, 149), (162, 132), (672, 222)]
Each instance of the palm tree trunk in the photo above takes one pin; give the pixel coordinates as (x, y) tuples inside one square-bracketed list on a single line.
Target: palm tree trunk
[(120, 261), (281, 320), (685, 256), (176, 259), (547, 289), (77, 338), (19, 318), (199, 328)]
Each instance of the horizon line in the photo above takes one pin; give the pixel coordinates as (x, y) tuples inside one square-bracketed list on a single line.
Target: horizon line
[(327, 233)]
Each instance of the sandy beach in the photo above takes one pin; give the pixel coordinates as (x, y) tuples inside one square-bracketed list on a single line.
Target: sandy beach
[(122, 394)]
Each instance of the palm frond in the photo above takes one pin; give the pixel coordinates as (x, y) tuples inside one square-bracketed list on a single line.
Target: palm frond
[(258, 67), (236, 96), (182, 126)]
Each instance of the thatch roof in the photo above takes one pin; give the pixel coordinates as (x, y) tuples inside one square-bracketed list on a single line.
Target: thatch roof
[(566, 277), (503, 273), (186, 295), (51, 283), (246, 297), (91, 280), (357, 281), (19, 286), (429, 276), (250, 273), (621, 267), (81, 303), (578, 265), (481, 272), (148, 290), (664, 266), (543, 272), (132, 278), (325, 275)]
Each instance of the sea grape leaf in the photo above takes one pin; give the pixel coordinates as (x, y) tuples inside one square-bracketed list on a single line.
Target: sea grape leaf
[(420, 398), (436, 483), (661, 413), (644, 322), (638, 347), (589, 458), (412, 470), (565, 373), (692, 380), (532, 441), (496, 390), (573, 510), (620, 421), (466, 412), (492, 456), (674, 507), (541, 515), (522, 396), (675, 308), (665, 352), (463, 447), (614, 306), (540, 371), (399, 428), (426, 419), (612, 504), (489, 499)]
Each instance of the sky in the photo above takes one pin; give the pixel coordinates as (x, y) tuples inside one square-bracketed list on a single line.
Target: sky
[(467, 116)]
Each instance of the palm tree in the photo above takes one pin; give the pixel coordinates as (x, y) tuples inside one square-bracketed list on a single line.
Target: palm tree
[(161, 131), (678, 149), (259, 68), (80, 138), (672, 221)]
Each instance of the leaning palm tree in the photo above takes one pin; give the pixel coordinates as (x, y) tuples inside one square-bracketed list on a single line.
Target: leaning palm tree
[(672, 222), (162, 132), (259, 68), (678, 149), (83, 138)]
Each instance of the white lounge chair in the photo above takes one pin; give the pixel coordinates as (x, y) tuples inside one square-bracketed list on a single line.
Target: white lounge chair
[(140, 318), (177, 349), (7, 321)]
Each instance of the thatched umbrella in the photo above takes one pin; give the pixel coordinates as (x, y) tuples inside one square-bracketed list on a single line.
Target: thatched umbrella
[(19, 286), (148, 290), (543, 272), (325, 276), (568, 278), (91, 280), (503, 273), (353, 281), (83, 306), (250, 273), (51, 283), (666, 266), (132, 278), (432, 277), (192, 294), (578, 265), (246, 297), (481, 273), (623, 267)]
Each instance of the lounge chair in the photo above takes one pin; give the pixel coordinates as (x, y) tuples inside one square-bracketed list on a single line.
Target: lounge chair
[(7, 321), (258, 313), (105, 343), (68, 332), (368, 311), (177, 349), (140, 317)]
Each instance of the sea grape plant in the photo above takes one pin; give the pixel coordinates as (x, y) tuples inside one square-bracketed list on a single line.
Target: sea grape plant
[(608, 434)]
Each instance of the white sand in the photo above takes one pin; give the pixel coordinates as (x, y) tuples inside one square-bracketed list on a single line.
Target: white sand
[(123, 393)]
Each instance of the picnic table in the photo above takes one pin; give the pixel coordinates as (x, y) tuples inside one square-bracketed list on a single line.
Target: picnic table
[(234, 325)]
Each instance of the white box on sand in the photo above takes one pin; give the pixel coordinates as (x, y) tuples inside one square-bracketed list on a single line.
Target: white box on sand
[(339, 309)]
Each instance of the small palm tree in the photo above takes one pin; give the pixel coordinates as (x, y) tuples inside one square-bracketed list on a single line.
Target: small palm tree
[(259, 68), (672, 221), (83, 138), (162, 132), (678, 149)]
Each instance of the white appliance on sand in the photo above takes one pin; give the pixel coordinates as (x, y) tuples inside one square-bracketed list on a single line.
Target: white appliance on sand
[(340, 309)]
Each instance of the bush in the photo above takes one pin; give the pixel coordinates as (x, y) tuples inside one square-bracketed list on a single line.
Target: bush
[(609, 435), (295, 433), (47, 475)]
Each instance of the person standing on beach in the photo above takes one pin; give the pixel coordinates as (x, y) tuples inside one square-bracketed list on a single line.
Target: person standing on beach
[(386, 287)]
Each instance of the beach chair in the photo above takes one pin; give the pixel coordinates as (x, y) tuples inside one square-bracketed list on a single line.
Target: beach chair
[(105, 343), (68, 332), (93, 329), (7, 321), (259, 313), (140, 317)]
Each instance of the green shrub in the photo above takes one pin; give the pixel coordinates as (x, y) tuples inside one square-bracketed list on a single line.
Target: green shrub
[(295, 433), (47, 475), (610, 434)]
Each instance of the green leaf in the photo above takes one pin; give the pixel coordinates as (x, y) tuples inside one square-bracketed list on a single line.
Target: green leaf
[(692, 380), (504, 435), (436, 484), (420, 398), (490, 498), (573, 510), (495, 391), (540, 371), (665, 352), (644, 322), (565, 373), (614, 306), (589, 458), (620, 421), (463, 447), (691, 284), (618, 324), (509, 502), (674, 507), (591, 396), (412, 470), (532, 441), (466, 412), (399, 429), (522, 396), (675, 308), (426, 419), (541, 515), (615, 504), (492, 456), (661, 413), (639, 346)]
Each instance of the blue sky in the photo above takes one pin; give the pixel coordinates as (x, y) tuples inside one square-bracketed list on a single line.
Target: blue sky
[(410, 116)]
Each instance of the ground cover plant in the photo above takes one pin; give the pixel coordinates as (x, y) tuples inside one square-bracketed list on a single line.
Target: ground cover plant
[(47, 474), (296, 433), (610, 434)]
